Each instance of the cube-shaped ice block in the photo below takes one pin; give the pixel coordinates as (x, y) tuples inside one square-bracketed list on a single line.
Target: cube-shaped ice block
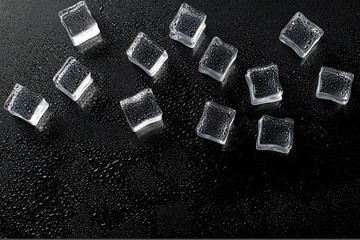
[(141, 110), (301, 34), (79, 23), (73, 79), (275, 134), (217, 59), (26, 104), (215, 122), (146, 54), (334, 85), (264, 85), (187, 25)]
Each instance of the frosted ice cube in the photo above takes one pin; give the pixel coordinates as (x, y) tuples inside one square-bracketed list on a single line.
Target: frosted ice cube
[(334, 85), (73, 79), (141, 110), (264, 85), (79, 23), (146, 54), (275, 134), (26, 104), (217, 59), (187, 25), (301, 34), (215, 122)]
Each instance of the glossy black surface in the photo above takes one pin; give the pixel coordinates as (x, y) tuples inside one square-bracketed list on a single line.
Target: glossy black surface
[(89, 175)]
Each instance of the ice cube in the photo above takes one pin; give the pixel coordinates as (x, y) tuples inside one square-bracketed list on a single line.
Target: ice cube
[(73, 79), (215, 122), (187, 25), (141, 110), (301, 34), (334, 85), (26, 104), (275, 134), (79, 23), (146, 54), (217, 59), (264, 85)]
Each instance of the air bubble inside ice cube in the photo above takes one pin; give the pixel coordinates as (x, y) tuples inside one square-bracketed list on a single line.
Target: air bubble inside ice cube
[(141, 110), (217, 59), (73, 79), (264, 85), (146, 54), (215, 122), (79, 23), (301, 34), (187, 25), (26, 104), (334, 85), (275, 134)]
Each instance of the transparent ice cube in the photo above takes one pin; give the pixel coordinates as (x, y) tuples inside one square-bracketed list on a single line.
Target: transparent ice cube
[(141, 110), (79, 23), (301, 34), (187, 25), (334, 85), (275, 134), (146, 54), (215, 122), (26, 104), (264, 84), (73, 79), (217, 59)]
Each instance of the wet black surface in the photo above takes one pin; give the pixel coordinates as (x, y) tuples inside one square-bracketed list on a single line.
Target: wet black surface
[(88, 175)]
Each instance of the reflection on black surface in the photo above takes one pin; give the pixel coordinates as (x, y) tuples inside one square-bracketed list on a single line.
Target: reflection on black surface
[(229, 72), (161, 73), (88, 98), (151, 129), (44, 121), (268, 106), (198, 44), (90, 43), (311, 56)]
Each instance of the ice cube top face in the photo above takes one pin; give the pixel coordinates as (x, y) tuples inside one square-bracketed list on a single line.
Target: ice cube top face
[(73, 79), (301, 34), (146, 54), (187, 25), (79, 23), (334, 85), (275, 134), (264, 85), (215, 122), (217, 59), (141, 110), (26, 104)]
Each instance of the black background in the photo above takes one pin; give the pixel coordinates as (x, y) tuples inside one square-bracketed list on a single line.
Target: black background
[(89, 175)]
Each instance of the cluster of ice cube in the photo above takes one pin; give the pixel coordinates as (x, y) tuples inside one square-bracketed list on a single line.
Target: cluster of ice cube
[(142, 109)]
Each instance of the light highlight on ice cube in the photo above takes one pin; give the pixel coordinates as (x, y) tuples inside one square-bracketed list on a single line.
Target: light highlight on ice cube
[(26, 104), (79, 23), (141, 110)]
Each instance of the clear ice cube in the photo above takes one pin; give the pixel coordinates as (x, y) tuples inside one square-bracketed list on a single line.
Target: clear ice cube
[(264, 85), (334, 85), (73, 79), (217, 59), (26, 104), (301, 34), (187, 25), (141, 110), (146, 54), (275, 134), (79, 23), (215, 122)]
